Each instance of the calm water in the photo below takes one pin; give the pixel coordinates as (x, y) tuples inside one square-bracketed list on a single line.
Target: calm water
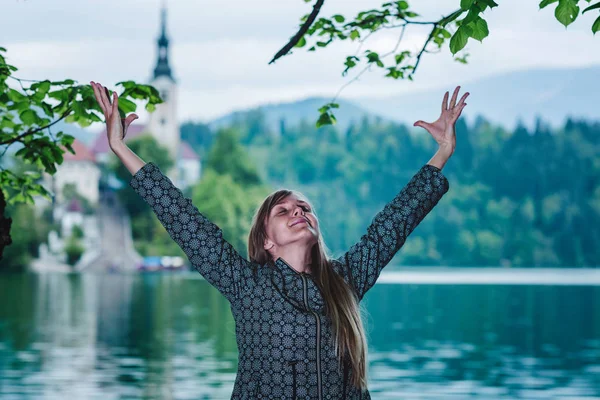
[(172, 337)]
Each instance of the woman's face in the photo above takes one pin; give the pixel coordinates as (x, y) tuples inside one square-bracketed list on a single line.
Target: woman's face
[(291, 221)]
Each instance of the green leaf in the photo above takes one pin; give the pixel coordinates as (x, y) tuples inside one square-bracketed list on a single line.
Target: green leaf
[(592, 7), (445, 21), (402, 5), (372, 56), (42, 90), (127, 106), (459, 40), (566, 12), (596, 25), (354, 34), (339, 18), (490, 3), (29, 117), (544, 3), (480, 29), (65, 82), (324, 119), (472, 15), (15, 96), (301, 42), (47, 109), (466, 4)]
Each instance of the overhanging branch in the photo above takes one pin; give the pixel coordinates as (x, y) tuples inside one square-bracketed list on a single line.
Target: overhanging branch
[(303, 29)]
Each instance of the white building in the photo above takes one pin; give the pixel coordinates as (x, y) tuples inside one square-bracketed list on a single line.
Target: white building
[(79, 169)]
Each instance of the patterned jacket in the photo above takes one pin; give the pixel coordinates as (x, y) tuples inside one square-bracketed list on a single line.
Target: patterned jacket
[(283, 335)]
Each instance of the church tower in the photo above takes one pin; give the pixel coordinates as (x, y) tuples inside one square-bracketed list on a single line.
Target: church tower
[(162, 124)]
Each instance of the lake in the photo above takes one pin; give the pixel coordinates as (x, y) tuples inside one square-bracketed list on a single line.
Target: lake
[(433, 334)]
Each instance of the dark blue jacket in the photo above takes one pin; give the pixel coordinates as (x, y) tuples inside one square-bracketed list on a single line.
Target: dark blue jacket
[(284, 337)]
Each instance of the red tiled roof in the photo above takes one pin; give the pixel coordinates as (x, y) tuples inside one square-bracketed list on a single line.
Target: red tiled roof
[(75, 205), (82, 153), (100, 145), (187, 153)]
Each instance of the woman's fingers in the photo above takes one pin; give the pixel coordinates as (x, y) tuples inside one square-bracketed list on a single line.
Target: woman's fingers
[(458, 111), (445, 102), (105, 102), (454, 96), (107, 97), (115, 104), (98, 97), (462, 99)]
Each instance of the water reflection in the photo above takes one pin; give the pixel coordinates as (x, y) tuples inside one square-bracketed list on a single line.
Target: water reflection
[(173, 337)]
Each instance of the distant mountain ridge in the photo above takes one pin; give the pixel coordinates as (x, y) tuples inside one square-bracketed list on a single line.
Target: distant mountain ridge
[(296, 111), (553, 94)]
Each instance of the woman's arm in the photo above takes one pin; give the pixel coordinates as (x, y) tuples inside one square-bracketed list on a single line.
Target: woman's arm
[(391, 227), (131, 160), (200, 239)]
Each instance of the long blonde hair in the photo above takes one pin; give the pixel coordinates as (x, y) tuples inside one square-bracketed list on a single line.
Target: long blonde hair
[(342, 304)]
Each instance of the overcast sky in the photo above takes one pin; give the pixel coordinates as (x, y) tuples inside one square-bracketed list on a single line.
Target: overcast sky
[(220, 49)]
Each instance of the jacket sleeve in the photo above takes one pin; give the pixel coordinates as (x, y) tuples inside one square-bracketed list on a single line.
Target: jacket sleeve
[(391, 226), (200, 239)]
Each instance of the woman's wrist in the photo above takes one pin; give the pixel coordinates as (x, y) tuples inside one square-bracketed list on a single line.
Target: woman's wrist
[(441, 156), (117, 146), (446, 149)]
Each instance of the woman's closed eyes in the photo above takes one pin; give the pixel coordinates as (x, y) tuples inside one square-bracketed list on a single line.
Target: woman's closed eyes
[(283, 210)]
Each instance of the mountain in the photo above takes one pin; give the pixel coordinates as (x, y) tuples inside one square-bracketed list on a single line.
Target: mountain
[(553, 94), (294, 112)]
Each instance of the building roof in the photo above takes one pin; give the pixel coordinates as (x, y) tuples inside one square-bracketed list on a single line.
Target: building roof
[(75, 205), (187, 153), (100, 145), (82, 153)]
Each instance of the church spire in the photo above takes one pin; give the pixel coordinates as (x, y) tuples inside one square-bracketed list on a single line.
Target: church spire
[(162, 66)]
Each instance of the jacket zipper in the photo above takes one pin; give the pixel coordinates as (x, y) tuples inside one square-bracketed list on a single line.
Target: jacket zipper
[(319, 383), (293, 364)]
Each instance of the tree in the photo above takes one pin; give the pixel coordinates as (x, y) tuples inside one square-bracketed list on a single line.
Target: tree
[(74, 250), (27, 117), (229, 157), (230, 189), (397, 15)]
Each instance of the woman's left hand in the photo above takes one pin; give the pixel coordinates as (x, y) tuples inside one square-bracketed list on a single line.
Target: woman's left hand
[(442, 129)]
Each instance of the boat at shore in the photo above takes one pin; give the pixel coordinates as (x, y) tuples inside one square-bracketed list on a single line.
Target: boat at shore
[(162, 263)]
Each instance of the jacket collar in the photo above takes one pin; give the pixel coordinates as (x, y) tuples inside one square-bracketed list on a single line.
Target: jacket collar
[(292, 286), (287, 268)]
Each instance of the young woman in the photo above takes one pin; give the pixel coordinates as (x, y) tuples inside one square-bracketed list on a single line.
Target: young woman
[(298, 326)]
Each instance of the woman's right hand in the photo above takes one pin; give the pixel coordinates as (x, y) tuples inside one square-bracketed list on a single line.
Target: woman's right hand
[(116, 127)]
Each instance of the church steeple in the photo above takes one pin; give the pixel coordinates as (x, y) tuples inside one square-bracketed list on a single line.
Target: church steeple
[(162, 65)]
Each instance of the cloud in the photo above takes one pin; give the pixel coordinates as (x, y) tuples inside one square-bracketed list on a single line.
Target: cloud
[(220, 50)]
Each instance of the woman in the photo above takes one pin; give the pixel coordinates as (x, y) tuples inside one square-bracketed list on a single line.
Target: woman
[(296, 310)]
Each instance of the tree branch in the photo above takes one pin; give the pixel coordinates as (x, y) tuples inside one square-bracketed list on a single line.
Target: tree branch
[(303, 29), (31, 132)]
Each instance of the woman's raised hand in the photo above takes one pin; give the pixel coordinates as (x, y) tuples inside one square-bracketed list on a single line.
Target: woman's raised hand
[(116, 127), (442, 129)]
